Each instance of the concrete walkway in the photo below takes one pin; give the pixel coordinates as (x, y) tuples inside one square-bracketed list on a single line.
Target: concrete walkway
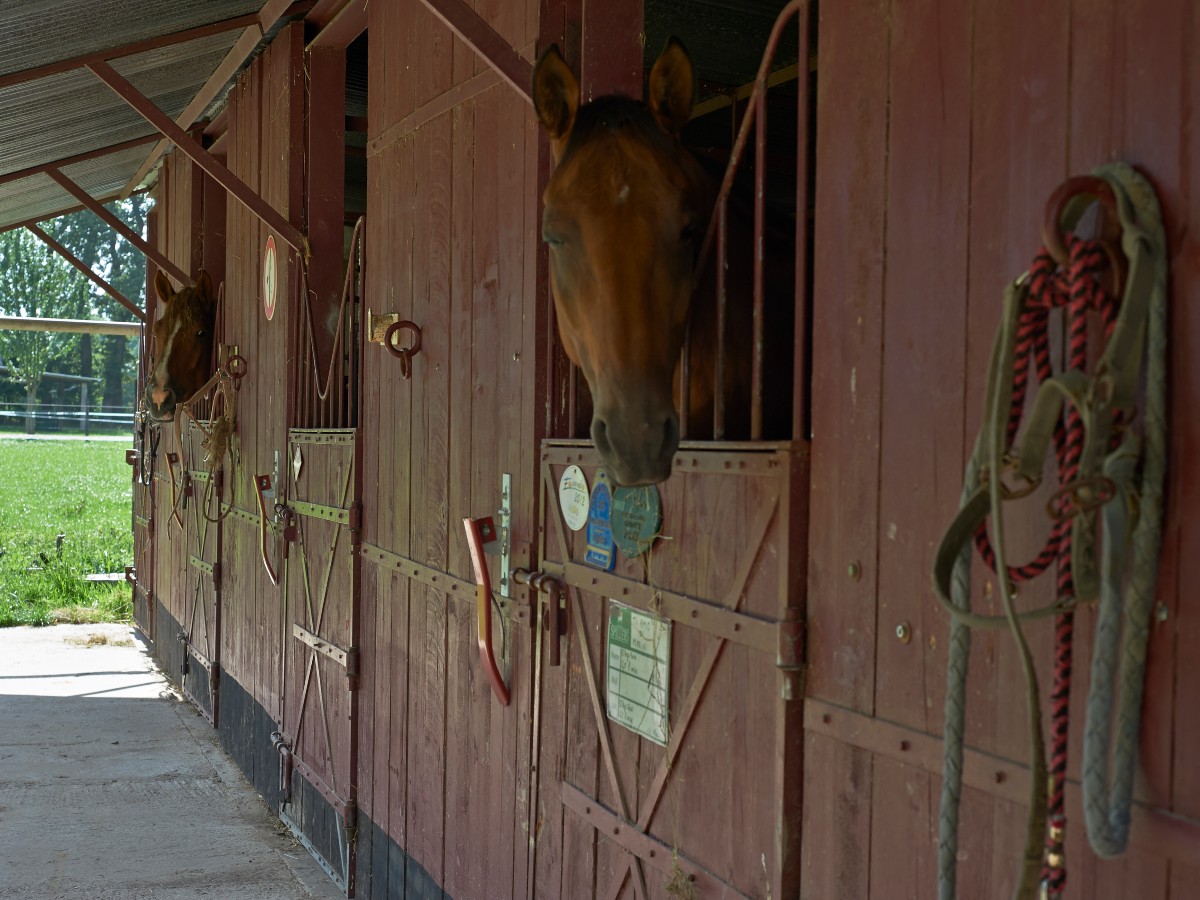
[(112, 788)]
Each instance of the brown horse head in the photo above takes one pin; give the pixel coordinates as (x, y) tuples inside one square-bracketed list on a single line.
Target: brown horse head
[(625, 210), (181, 361)]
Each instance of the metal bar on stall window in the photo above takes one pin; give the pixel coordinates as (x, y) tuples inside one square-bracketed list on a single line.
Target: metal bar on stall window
[(760, 174), (755, 111), (719, 368), (800, 350)]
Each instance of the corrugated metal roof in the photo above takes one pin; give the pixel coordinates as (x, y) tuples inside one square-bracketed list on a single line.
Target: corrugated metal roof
[(70, 113), (39, 32), (63, 115), (37, 197)]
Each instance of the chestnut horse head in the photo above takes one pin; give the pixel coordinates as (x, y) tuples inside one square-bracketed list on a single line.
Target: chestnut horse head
[(625, 212), (181, 359)]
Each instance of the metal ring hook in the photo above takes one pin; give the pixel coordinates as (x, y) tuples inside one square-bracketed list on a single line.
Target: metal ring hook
[(405, 354), (235, 367)]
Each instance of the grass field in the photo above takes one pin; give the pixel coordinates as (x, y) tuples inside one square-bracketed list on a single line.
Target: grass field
[(81, 491)]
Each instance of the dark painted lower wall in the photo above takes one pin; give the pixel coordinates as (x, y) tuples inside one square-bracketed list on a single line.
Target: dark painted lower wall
[(383, 870)]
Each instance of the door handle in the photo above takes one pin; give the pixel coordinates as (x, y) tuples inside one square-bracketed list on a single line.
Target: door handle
[(555, 619), (476, 529)]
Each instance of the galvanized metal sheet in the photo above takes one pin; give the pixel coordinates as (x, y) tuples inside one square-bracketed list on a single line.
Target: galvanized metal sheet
[(37, 197), (36, 33), (70, 113)]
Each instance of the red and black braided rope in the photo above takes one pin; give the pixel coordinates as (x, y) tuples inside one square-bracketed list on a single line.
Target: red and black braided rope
[(1079, 288)]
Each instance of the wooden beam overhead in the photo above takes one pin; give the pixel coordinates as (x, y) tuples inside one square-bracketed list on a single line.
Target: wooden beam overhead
[(342, 29), (487, 44), (117, 225), (166, 126), (324, 11), (257, 26), (87, 271)]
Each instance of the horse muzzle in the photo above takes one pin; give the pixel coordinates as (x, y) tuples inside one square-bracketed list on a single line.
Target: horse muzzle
[(637, 450), (160, 403)]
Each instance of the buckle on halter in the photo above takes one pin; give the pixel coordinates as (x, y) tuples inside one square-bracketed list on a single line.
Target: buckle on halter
[(1080, 496), (1011, 465)]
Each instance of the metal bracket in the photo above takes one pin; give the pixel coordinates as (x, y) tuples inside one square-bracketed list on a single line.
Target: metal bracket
[(505, 514), (280, 743), (554, 621), (377, 325), (790, 660)]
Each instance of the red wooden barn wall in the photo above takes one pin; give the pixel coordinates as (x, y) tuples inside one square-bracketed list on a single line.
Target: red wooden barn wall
[(179, 214), (942, 128), (451, 245), (264, 142)]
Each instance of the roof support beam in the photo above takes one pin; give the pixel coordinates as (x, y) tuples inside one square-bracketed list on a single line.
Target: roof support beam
[(118, 226), (237, 55), (487, 44), (342, 29), (167, 127), (87, 270)]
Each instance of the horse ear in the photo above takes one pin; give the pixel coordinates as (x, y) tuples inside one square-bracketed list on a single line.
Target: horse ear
[(672, 88), (555, 97), (162, 286), (204, 286)]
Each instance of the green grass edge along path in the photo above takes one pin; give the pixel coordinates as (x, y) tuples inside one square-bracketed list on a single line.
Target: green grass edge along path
[(81, 491)]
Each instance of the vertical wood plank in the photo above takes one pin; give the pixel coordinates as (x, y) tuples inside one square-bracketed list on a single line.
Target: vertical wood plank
[(837, 819), (924, 320), (1184, 475), (849, 271), (1018, 92)]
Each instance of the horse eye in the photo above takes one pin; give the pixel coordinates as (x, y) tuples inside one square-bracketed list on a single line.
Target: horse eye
[(552, 240), (201, 333), (688, 232)]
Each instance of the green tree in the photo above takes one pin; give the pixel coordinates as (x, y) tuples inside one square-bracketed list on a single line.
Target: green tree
[(34, 283), (115, 259)]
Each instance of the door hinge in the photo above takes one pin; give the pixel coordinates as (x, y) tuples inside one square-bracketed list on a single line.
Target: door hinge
[(353, 660)]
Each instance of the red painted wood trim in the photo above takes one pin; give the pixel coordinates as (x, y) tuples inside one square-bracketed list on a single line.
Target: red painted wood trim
[(645, 847), (490, 46), (439, 105), (1155, 830), (117, 225), (237, 55), (86, 270), (340, 31), (234, 185), (324, 11)]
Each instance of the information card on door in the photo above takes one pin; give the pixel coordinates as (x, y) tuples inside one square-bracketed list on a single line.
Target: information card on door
[(638, 664)]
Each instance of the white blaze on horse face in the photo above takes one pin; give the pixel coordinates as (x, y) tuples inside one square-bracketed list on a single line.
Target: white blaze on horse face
[(624, 195), (159, 376)]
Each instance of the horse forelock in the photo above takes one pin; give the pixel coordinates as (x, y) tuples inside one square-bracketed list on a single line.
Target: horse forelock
[(615, 114)]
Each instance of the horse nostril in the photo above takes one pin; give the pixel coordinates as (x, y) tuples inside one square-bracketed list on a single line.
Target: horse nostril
[(600, 436), (162, 397)]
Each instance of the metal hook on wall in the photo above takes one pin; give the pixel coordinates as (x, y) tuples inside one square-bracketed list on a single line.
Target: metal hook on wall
[(405, 354)]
